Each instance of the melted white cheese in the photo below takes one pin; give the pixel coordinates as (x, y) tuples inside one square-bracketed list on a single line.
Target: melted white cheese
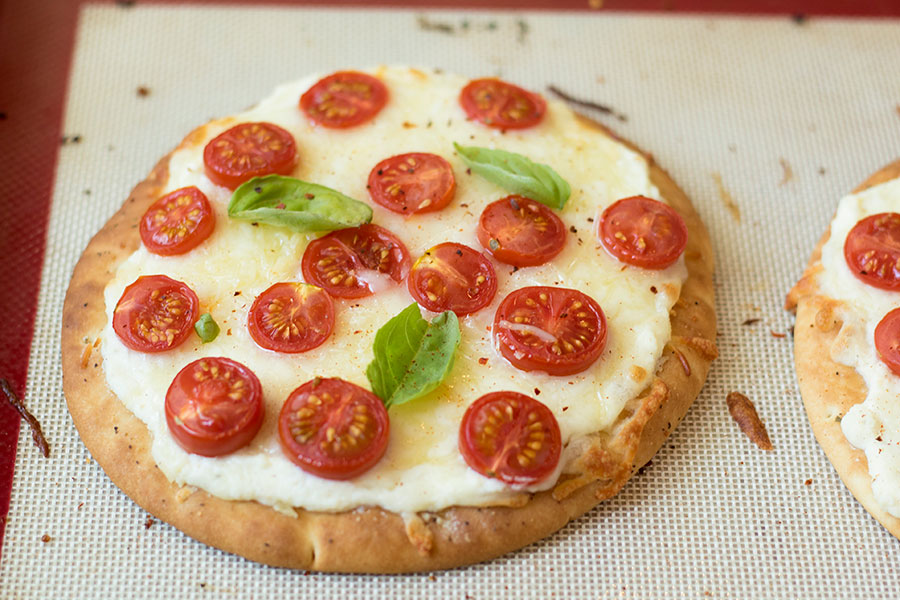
[(422, 469), (873, 426)]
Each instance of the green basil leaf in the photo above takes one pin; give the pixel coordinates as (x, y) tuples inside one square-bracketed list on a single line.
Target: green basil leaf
[(295, 204), (206, 328), (517, 174), (412, 356)]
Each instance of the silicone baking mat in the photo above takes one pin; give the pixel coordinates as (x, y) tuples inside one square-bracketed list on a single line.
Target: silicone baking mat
[(764, 122)]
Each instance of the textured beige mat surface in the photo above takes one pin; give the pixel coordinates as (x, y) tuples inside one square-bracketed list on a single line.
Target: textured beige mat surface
[(765, 123)]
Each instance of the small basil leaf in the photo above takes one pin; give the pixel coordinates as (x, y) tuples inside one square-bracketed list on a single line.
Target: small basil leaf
[(517, 174), (298, 205), (206, 328), (412, 356)]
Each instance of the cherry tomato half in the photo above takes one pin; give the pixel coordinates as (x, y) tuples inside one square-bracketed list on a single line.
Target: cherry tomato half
[(558, 330), (249, 150), (291, 317), (214, 406), (333, 428), (177, 222), (872, 251), (501, 105), (452, 276), (521, 232), (344, 99), (155, 314), (643, 232), (887, 340), (511, 437), (412, 183), (337, 262)]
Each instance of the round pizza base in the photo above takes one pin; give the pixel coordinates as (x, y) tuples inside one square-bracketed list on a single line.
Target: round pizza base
[(830, 389), (371, 539)]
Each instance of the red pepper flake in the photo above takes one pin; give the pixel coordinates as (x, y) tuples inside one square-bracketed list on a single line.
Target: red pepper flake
[(143, 91), (86, 355), (150, 522), (309, 196), (357, 332), (36, 433), (777, 334), (807, 482), (684, 363), (280, 205), (228, 332), (751, 322), (46, 538), (537, 392), (565, 408), (80, 504), (483, 360)]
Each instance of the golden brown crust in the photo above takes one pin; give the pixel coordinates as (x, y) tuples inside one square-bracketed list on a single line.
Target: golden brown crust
[(371, 539), (830, 389)]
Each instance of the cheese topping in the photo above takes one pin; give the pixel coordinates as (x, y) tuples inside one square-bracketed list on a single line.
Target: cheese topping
[(873, 426), (422, 469)]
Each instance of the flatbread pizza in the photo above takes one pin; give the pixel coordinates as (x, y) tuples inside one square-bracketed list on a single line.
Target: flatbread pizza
[(388, 321), (846, 343)]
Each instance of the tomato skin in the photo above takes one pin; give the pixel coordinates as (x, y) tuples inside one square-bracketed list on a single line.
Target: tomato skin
[(501, 105), (643, 232), (887, 340), (521, 232), (348, 412), (872, 251), (498, 434), (452, 276), (202, 414), (291, 317), (141, 313), (412, 183), (177, 222), (334, 261), (573, 318), (344, 99), (249, 150)]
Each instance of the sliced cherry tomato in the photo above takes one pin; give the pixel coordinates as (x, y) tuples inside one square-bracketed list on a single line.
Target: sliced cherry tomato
[(501, 105), (887, 340), (344, 99), (333, 428), (643, 232), (214, 406), (249, 150), (511, 437), (452, 276), (177, 222), (521, 232), (155, 314), (291, 317), (558, 330), (338, 261), (872, 251), (412, 183)]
